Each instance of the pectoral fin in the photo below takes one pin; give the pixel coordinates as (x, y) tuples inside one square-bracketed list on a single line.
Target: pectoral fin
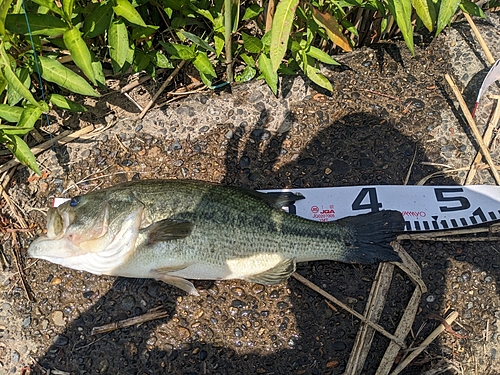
[(167, 230), (275, 275), (179, 282)]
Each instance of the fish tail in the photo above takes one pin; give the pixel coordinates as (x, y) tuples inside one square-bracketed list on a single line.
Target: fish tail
[(372, 234)]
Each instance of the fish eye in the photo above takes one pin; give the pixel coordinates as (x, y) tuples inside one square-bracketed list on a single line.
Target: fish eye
[(74, 201)]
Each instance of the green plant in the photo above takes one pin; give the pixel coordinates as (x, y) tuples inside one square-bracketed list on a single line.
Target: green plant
[(143, 35)]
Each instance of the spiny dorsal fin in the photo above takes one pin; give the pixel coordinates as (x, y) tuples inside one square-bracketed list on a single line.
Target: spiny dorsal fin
[(167, 230), (278, 199), (279, 273)]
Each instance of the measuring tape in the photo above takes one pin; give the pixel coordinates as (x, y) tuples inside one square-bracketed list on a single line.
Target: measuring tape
[(424, 208)]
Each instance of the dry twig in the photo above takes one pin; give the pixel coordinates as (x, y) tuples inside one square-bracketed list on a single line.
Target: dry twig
[(328, 296), (162, 88), (473, 127), (480, 39), (156, 313)]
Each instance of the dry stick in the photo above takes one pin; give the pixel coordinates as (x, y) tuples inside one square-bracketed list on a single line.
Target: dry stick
[(19, 268), (373, 311), (488, 135), (328, 296), (475, 131), (480, 39), (162, 88), (150, 315), (402, 365), (63, 138), (139, 81)]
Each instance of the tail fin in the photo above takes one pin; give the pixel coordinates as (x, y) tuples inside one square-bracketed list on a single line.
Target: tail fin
[(372, 234)]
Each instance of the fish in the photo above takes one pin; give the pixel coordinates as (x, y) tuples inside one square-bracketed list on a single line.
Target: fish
[(180, 230)]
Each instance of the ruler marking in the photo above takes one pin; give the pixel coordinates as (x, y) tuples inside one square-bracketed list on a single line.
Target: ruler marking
[(435, 224), (417, 225), (407, 225), (492, 215), (454, 223), (426, 225), (444, 223), (463, 221), (473, 220)]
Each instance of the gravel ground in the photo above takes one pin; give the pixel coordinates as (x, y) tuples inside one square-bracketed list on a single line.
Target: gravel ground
[(386, 107)]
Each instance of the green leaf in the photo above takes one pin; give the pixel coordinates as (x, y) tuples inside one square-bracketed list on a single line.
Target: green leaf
[(54, 71), (143, 32), (79, 52), (141, 61), (161, 61), (40, 24), (426, 11), (97, 68), (447, 10), (252, 11), (63, 103), (29, 116), (247, 74), (118, 44), (203, 64), (50, 5), (248, 60), (12, 129), (251, 43), (10, 113), (179, 51), (198, 41), (97, 22), (68, 8), (472, 9), (13, 96), (12, 78), (22, 152), (313, 73), (126, 10), (280, 31), (219, 40), (401, 10), (270, 75), (4, 8), (318, 54)]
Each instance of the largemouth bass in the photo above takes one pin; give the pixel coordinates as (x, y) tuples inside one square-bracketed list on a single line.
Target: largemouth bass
[(173, 230)]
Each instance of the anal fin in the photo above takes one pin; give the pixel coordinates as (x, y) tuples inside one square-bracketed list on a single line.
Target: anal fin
[(279, 273)]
